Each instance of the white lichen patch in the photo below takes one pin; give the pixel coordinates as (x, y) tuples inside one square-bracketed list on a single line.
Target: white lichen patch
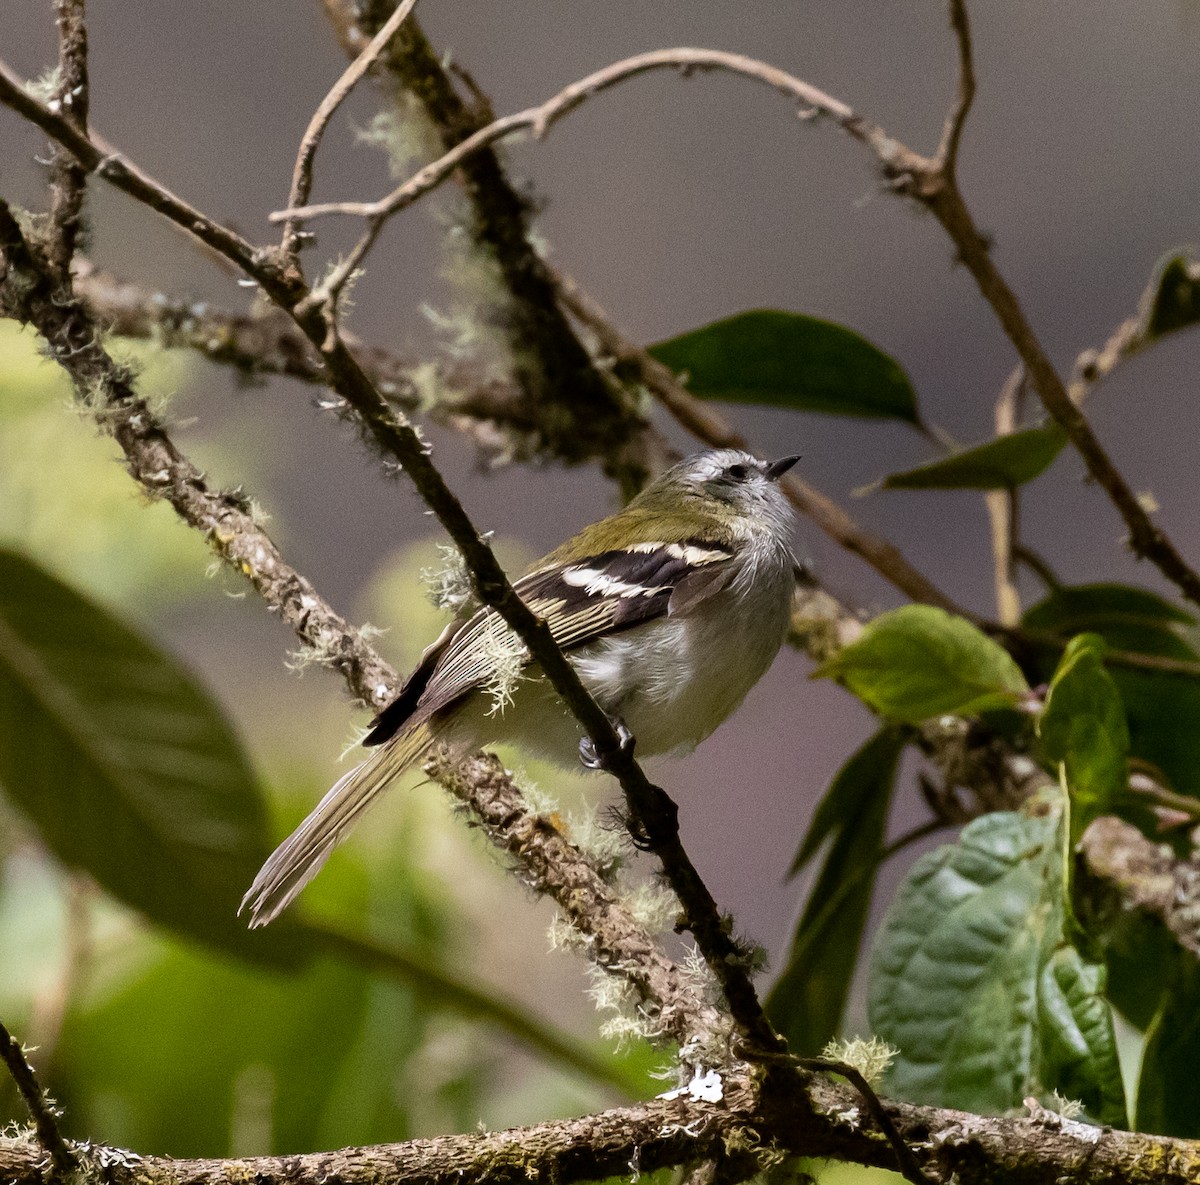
[(448, 586), (704, 1086), (655, 907), (602, 844), (698, 978), (871, 1058), (504, 657)]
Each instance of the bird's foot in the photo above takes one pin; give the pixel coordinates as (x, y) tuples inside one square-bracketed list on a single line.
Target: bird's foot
[(590, 756)]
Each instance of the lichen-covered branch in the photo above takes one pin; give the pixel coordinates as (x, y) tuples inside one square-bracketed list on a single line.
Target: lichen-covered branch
[(492, 410), (579, 414), (33, 293), (68, 178), (41, 1110), (621, 946), (1145, 877), (754, 1128)]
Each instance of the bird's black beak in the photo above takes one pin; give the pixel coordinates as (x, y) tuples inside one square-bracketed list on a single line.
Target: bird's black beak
[(776, 469)]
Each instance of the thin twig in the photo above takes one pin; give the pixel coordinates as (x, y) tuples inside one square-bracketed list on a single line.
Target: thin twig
[(906, 1163), (947, 153), (540, 118), (1003, 507), (302, 172), (1037, 565), (41, 1109), (708, 425)]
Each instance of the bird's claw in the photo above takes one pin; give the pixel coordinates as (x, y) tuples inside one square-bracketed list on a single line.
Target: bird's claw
[(590, 756)]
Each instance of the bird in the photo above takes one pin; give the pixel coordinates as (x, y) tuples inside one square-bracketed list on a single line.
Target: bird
[(670, 610)]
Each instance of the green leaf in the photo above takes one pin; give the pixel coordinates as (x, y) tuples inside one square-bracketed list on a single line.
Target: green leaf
[(1000, 464), (125, 765), (1126, 617), (918, 661), (807, 1002), (790, 360), (1075, 1027), (1168, 1098), (974, 981), (1174, 297), (1162, 708), (1083, 727)]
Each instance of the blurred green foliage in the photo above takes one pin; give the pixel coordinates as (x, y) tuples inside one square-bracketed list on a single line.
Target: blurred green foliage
[(173, 1029)]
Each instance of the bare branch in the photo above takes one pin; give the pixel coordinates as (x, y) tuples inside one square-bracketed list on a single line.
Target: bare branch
[(1003, 507), (708, 425), (947, 153), (541, 118), (1146, 540), (41, 1110), (303, 169)]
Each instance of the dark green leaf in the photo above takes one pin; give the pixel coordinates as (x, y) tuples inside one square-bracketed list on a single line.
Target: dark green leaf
[(1139, 954), (1162, 708), (1168, 1098), (1126, 617), (917, 661), (974, 982), (807, 1002), (1003, 463), (1075, 1028), (125, 765), (1083, 727), (1174, 297), (789, 360)]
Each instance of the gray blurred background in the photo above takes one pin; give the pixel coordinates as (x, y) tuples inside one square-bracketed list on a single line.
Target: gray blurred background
[(675, 202)]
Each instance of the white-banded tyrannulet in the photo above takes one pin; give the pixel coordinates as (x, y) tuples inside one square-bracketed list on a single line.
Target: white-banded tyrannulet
[(670, 610)]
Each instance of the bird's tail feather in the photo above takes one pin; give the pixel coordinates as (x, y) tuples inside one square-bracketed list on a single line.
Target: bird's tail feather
[(300, 857)]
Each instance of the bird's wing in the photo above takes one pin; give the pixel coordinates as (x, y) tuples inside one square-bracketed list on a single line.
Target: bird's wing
[(581, 600)]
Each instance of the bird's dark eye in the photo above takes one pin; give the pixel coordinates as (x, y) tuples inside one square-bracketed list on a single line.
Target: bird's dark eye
[(738, 472)]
